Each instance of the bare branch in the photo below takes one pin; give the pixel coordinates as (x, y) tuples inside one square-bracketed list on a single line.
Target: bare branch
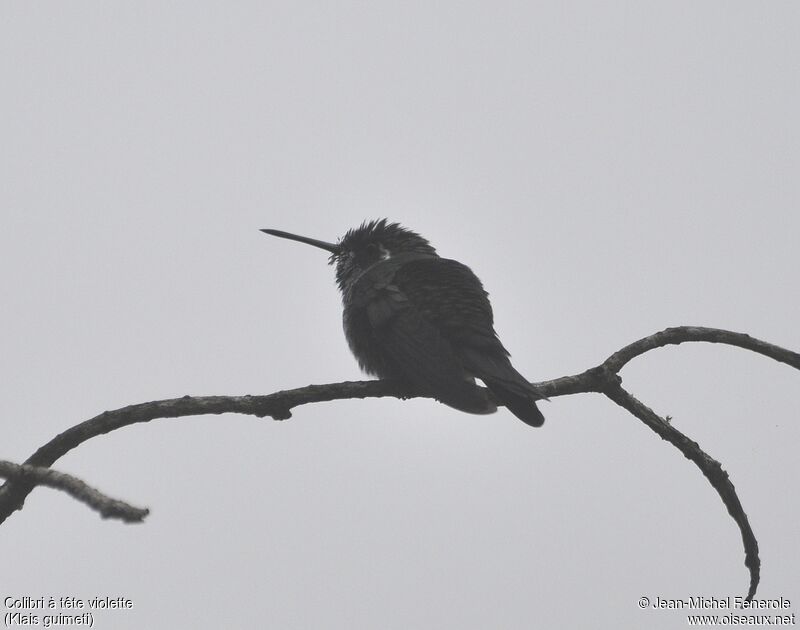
[(683, 334), (80, 490), (603, 379), (710, 467)]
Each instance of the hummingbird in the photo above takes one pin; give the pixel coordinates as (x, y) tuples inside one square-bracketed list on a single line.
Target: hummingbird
[(422, 320)]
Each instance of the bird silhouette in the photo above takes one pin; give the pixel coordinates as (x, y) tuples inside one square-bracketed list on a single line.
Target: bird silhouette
[(422, 320)]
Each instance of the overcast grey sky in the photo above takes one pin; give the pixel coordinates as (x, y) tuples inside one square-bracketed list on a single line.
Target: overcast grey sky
[(607, 170)]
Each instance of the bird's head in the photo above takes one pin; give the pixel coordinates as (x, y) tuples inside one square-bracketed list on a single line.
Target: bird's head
[(365, 246)]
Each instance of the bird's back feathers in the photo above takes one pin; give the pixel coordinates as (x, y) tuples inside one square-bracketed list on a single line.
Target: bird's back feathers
[(432, 326)]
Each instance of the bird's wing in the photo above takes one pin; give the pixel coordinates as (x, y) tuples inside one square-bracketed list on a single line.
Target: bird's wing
[(452, 299), (404, 314)]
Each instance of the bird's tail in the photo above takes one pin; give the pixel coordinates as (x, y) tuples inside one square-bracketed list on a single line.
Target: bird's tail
[(519, 401), (466, 396), (508, 386)]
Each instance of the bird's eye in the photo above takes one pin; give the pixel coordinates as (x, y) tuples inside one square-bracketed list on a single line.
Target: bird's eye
[(372, 252)]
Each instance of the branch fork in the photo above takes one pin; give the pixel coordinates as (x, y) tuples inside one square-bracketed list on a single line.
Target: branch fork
[(603, 379)]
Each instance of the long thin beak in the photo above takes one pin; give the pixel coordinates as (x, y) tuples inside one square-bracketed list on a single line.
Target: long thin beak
[(333, 249)]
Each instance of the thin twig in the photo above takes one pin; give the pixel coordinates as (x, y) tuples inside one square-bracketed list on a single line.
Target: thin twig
[(78, 489), (710, 467), (683, 334)]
